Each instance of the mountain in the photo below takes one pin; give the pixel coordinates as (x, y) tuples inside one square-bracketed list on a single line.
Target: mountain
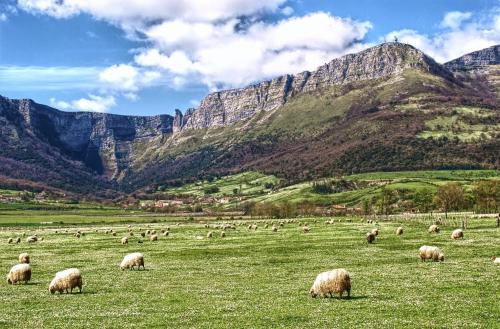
[(390, 107)]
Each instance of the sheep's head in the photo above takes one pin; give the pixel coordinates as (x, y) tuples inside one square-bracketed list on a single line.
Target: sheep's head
[(313, 293), (441, 257), (52, 289), (9, 280)]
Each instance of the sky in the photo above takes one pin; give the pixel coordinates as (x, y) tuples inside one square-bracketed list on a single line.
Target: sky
[(148, 57)]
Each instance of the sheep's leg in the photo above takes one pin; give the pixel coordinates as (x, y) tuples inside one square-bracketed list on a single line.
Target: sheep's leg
[(341, 293), (348, 293)]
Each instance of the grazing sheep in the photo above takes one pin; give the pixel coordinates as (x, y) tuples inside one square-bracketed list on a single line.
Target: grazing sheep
[(19, 273), (143, 234), (210, 234), (153, 232), (24, 258), (332, 282), (266, 226), (18, 240), (222, 234), (132, 260), (124, 240), (153, 237), (207, 226), (433, 228), (66, 280), (32, 239), (431, 252), (166, 233), (370, 237), (457, 234), (148, 232), (374, 231), (496, 260), (306, 229), (77, 235), (10, 241), (399, 231), (275, 229)]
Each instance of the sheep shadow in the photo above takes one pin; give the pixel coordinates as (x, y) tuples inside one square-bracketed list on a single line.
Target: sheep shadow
[(344, 298)]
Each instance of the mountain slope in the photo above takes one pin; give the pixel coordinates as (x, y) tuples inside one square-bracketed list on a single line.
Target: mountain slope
[(375, 110)]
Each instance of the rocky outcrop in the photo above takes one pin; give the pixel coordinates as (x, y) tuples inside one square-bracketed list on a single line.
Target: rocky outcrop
[(476, 60), (230, 106), (104, 142)]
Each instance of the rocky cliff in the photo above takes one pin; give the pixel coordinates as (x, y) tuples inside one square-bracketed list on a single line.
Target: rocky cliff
[(230, 106), (476, 60)]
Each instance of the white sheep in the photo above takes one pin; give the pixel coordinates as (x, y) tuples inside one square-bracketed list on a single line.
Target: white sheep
[(399, 231), (374, 231), (19, 273), (66, 280), (124, 240), (457, 234), (335, 281), (433, 229), (24, 258), (32, 239), (132, 260), (496, 260), (10, 241), (153, 237), (431, 252)]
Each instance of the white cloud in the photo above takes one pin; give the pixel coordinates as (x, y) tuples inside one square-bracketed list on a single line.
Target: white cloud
[(457, 39), (222, 55), (220, 43), (3, 17), (132, 10), (94, 103), (454, 19), (37, 78)]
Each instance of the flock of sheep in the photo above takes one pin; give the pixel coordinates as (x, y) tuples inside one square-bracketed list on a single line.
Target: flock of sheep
[(326, 284)]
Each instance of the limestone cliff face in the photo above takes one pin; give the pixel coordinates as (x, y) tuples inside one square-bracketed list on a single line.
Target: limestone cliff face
[(105, 142), (230, 106), (476, 60)]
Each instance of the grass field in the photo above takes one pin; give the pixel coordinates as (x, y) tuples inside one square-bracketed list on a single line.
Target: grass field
[(253, 186), (254, 279)]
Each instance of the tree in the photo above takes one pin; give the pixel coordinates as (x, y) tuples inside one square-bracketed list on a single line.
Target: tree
[(487, 195), (450, 197), (387, 199), (423, 199)]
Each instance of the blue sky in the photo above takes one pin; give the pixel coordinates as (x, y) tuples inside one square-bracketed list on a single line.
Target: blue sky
[(153, 56)]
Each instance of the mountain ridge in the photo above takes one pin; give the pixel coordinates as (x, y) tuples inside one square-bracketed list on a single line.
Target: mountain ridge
[(279, 118)]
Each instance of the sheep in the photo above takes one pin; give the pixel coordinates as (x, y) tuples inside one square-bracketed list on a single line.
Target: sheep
[(431, 252), (370, 237), (222, 234), (207, 226), (374, 231), (18, 240), (275, 229), (153, 232), (19, 273), (399, 231), (153, 237), (148, 232), (114, 234), (306, 229), (166, 233), (210, 234), (496, 260), (77, 235), (66, 280), (433, 229), (31, 239), (335, 281), (24, 258), (143, 234), (457, 234), (10, 241), (132, 260), (124, 240)]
